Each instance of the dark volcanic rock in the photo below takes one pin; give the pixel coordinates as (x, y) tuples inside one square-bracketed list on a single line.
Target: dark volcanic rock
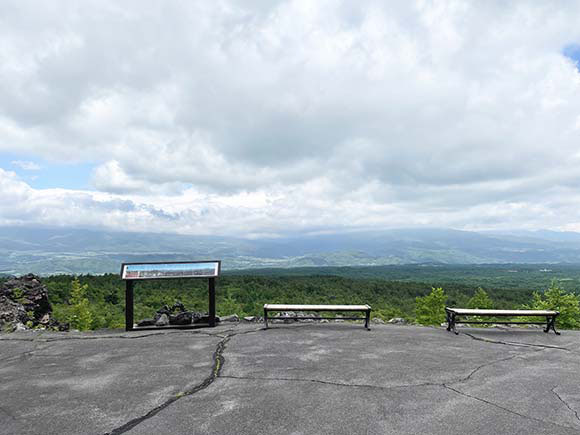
[(177, 307), (30, 292), (25, 300), (11, 313), (175, 315), (183, 318), (163, 310), (146, 322), (163, 320)]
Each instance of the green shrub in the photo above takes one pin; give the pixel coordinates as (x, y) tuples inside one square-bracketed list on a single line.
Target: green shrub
[(81, 317), (18, 295), (430, 309), (555, 298), (480, 300), (228, 306)]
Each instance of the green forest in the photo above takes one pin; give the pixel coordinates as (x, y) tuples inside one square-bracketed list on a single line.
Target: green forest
[(99, 300)]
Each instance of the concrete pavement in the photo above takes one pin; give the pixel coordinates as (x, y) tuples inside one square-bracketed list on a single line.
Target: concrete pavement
[(291, 379)]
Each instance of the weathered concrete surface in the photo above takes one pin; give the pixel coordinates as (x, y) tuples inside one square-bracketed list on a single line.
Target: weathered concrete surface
[(294, 379), (66, 383)]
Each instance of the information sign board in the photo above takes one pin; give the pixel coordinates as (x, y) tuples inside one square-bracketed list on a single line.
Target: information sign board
[(200, 269)]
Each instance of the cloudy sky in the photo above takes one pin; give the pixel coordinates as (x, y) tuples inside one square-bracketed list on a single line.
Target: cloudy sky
[(255, 118)]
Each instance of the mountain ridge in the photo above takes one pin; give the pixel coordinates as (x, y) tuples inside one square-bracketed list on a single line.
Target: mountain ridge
[(70, 250)]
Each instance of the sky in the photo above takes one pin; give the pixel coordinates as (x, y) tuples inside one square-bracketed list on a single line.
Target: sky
[(263, 118)]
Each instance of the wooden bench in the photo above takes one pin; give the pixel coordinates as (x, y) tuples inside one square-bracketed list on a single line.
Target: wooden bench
[(453, 315), (317, 308)]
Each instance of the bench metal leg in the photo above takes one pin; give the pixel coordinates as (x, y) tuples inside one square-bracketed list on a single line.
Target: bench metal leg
[(266, 317), (551, 324), (453, 320), (367, 319)]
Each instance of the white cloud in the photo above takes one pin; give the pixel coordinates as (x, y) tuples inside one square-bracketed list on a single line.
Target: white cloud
[(325, 114), (310, 208), (26, 165)]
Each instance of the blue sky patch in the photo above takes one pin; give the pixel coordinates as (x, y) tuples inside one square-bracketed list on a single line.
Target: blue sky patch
[(572, 51), (43, 174)]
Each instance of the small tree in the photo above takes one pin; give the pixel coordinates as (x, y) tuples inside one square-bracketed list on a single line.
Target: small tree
[(480, 300), (555, 298), (81, 317), (430, 309), (230, 306)]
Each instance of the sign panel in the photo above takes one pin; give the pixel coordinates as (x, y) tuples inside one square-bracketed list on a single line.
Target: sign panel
[(197, 269)]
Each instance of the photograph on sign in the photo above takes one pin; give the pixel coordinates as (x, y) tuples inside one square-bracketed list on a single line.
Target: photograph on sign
[(171, 270)]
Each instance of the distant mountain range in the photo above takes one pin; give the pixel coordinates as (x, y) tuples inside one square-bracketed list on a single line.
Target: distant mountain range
[(51, 251)]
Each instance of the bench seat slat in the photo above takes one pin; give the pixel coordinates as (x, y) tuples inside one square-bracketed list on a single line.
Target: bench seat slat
[(476, 312), (284, 307)]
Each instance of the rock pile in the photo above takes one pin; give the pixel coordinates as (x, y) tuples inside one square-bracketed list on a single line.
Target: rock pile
[(24, 305), (175, 315)]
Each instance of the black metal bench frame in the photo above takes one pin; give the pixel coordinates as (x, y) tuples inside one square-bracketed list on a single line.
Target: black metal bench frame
[(453, 319), (320, 308)]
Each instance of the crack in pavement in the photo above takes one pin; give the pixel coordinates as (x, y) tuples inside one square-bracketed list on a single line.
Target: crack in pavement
[(553, 390), (109, 337), (509, 343), (217, 366), (474, 371), (336, 384), (218, 363), (507, 409), (219, 360), (11, 358), (446, 385), (426, 384), (345, 384)]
